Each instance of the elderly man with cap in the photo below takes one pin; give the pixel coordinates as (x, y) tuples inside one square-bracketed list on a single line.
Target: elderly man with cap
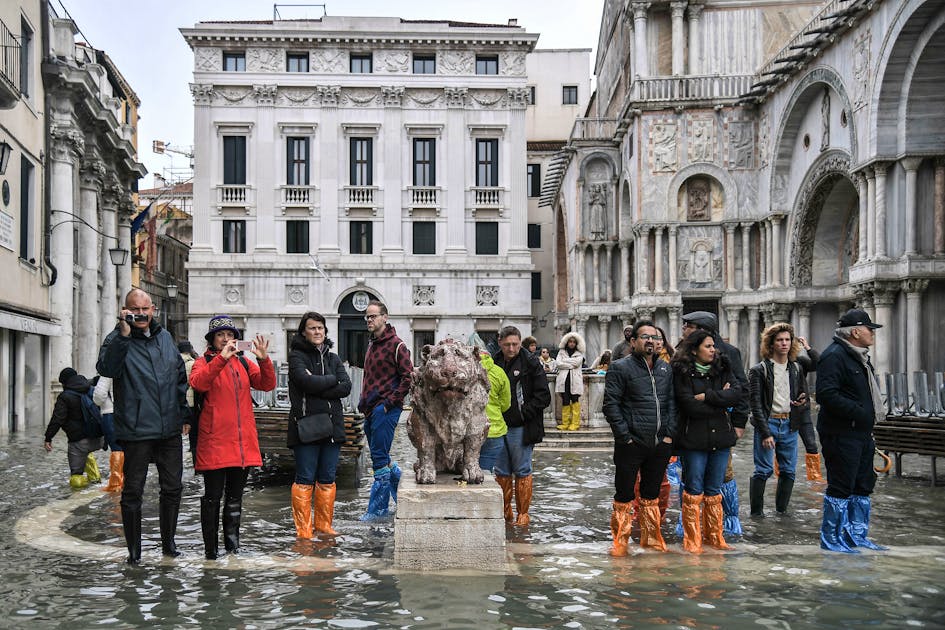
[(624, 347), (850, 404)]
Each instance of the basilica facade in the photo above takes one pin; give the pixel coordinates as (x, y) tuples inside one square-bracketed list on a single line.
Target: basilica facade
[(763, 160)]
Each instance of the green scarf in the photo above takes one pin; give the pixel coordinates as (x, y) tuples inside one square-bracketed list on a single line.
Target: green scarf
[(702, 369)]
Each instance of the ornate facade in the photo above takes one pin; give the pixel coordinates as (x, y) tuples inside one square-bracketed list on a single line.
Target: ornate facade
[(770, 161)]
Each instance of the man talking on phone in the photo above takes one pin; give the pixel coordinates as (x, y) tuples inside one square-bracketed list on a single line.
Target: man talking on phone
[(149, 383)]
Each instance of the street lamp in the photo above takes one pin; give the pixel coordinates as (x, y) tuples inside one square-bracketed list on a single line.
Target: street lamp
[(118, 255), (171, 291), (5, 152)]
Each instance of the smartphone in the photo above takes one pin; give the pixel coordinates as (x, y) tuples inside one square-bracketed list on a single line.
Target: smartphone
[(244, 346)]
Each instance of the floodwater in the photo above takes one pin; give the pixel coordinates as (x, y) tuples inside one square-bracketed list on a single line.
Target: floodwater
[(62, 561)]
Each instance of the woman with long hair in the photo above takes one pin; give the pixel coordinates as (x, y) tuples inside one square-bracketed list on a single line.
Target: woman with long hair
[(705, 388)]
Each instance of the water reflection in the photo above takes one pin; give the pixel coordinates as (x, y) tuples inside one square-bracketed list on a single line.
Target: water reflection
[(563, 577)]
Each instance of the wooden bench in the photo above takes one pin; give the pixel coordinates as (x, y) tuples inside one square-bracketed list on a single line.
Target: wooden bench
[(911, 434), (272, 425)]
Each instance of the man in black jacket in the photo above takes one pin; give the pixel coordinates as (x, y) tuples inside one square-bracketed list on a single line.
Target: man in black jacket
[(67, 415), (641, 409), (850, 404), (524, 417), (151, 413)]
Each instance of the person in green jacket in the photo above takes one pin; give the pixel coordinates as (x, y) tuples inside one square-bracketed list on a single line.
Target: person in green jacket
[(500, 399)]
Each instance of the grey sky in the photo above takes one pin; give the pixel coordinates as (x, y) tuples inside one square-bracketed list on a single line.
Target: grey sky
[(142, 37)]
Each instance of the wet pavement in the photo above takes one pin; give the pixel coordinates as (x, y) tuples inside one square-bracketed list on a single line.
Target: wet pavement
[(62, 561)]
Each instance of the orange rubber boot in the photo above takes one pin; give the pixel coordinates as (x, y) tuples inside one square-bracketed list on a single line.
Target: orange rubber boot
[(650, 535), (505, 483), (713, 522), (324, 508), (621, 520), (523, 499), (302, 509), (692, 522)]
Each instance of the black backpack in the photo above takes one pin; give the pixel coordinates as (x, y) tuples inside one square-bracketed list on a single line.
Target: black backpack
[(198, 408), (91, 414)]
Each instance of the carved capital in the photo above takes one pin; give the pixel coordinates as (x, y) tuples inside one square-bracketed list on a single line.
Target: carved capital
[(639, 10), (518, 98), (604, 319), (328, 95), (695, 11), (678, 9), (880, 168), (67, 143), (265, 94), (915, 286), (455, 97), (911, 163), (393, 95), (92, 172), (202, 93), (730, 227)]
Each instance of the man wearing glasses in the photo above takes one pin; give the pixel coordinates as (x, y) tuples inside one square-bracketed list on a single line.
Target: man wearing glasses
[(850, 404), (149, 383), (640, 406), (387, 372)]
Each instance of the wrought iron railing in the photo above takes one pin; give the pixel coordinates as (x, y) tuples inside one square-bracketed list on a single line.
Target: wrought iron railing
[(9, 59)]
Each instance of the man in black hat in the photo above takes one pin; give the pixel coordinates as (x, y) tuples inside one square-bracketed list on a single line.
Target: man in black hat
[(850, 404)]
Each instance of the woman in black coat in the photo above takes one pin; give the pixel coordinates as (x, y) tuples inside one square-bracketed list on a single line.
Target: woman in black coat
[(706, 388), (317, 383)]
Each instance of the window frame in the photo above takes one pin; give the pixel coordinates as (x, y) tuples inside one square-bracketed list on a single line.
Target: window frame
[(532, 95), (533, 180), (27, 36), (424, 238), (536, 285), (293, 163), (483, 239), (233, 170), (234, 235), (297, 231), (423, 58), (26, 249), (567, 93), (365, 238), (487, 166), (534, 236), (488, 62), (361, 58), (297, 57), (424, 165), (360, 168), (239, 59)]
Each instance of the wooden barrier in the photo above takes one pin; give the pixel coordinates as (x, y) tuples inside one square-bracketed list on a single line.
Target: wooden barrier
[(911, 434), (272, 425)]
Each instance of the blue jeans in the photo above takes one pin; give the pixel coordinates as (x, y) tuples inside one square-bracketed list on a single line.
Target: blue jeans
[(489, 452), (514, 457), (316, 462), (379, 431), (704, 471), (108, 428), (785, 448)]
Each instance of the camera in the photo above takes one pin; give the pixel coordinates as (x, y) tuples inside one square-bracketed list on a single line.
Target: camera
[(139, 317), (244, 346)]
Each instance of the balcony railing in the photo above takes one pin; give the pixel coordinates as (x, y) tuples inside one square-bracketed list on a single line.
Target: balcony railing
[(594, 129), (423, 197), (690, 88), (299, 196), (486, 197), (9, 68), (360, 196), (234, 195)]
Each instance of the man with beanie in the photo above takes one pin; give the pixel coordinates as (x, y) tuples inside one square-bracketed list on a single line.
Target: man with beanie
[(150, 392), (850, 404), (67, 415)]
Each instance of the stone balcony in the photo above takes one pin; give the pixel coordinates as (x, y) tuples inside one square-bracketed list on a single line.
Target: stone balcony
[(423, 198), (360, 197), (682, 90), (305, 197), (235, 196), (486, 198)]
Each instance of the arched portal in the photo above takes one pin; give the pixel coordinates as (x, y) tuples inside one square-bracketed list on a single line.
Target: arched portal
[(352, 331), (561, 266)]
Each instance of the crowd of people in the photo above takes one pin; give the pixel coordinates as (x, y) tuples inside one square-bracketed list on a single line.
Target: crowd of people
[(690, 402)]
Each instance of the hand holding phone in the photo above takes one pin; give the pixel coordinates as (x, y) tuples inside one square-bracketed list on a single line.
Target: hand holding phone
[(244, 346)]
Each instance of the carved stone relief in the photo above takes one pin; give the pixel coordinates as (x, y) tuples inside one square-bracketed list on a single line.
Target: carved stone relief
[(265, 94), (202, 93), (455, 97), (597, 201), (233, 293), (514, 63), (328, 95), (698, 199), (517, 98), (486, 99), (328, 61), (296, 294), (424, 295), (825, 120), (861, 68), (264, 60), (208, 60), (741, 144), (394, 61), (234, 94), (764, 139), (424, 99), (393, 96), (297, 96), (359, 97), (700, 263), (702, 139), (487, 295), (459, 62), (663, 146)]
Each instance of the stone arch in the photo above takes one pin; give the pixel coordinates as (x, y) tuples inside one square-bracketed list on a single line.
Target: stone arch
[(560, 266), (827, 183), (352, 335), (731, 200), (625, 209), (905, 114), (806, 90)]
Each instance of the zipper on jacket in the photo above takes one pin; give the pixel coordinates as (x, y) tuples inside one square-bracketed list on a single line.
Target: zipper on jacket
[(656, 397), (239, 418)]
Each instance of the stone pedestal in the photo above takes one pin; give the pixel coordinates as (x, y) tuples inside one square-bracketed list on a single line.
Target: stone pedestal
[(449, 526)]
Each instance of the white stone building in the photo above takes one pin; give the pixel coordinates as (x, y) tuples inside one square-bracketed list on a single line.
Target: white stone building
[(765, 160), (345, 159)]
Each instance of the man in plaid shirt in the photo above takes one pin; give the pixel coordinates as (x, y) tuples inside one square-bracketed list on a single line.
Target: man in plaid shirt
[(387, 372)]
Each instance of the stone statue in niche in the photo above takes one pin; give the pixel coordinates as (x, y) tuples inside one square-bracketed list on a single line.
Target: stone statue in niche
[(664, 147), (597, 202), (448, 422), (825, 121), (697, 197), (700, 266), (702, 140), (741, 144), (861, 69)]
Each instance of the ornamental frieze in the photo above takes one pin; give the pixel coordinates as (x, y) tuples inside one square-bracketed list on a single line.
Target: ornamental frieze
[(265, 60), (233, 94), (394, 61), (457, 62), (329, 61), (359, 97), (208, 60), (514, 63)]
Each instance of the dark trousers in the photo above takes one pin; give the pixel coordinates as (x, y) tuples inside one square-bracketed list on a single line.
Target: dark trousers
[(232, 480), (568, 398), (806, 431), (848, 459), (168, 457), (649, 461)]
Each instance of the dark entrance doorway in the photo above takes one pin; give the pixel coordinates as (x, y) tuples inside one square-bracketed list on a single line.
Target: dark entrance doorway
[(352, 331), (700, 304)]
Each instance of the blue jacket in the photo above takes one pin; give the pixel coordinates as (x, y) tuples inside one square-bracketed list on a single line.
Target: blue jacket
[(843, 392), (149, 384)]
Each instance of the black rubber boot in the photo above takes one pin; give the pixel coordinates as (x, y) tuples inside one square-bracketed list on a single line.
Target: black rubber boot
[(231, 524), (131, 523), (782, 495), (167, 513), (210, 525), (756, 496)]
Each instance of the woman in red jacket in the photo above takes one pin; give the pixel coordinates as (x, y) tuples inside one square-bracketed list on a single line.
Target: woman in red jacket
[(227, 444)]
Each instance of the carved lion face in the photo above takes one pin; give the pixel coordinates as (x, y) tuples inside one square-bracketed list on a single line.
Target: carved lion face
[(449, 368)]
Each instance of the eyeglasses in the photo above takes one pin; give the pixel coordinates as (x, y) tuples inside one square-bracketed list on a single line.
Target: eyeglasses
[(651, 337), (369, 318)]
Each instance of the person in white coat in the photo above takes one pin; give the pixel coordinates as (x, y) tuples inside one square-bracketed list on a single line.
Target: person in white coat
[(569, 383)]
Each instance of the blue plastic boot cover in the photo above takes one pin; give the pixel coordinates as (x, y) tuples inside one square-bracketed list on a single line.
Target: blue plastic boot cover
[(833, 526), (679, 527), (395, 474), (858, 523), (380, 496), (732, 526), (674, 473)]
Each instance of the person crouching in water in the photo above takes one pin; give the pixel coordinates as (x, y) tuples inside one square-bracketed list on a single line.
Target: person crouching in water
[(317, 383), (569, 383), (227, 445), (67, 415), (705, 388)]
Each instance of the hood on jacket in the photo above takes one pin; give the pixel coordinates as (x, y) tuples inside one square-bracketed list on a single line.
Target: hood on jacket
[(77, 383), (582, 348), (299, 342), (485, 359), (387, 332)]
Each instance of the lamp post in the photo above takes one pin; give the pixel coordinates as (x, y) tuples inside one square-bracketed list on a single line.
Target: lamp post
[(171, 291)]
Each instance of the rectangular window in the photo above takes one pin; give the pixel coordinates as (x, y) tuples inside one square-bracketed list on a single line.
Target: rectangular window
[(533, 185), (362, 162), (26, 210), (487, 238), (234, 237), (424, 237), (234, 62), (234, 160), (296, 161), (296, 62), (534, 236), (26, 57), (361, 63), (487, 162), (362, 237), (531, 95), (487, 64), (424, 162), (536, 285), (424, 64), (569, 95), (422, 338), (296, 237)]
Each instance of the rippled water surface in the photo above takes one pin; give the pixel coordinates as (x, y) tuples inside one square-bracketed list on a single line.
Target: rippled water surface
[(561, 574)]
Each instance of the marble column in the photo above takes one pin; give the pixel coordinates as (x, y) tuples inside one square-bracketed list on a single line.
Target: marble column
[(639, 37), (643, 246), (914, 329), (883, 298), (580, 324), (753, 338), (803, 320), (870, 213), (673, 262), (124, 242), (390, 172), (940, 207), (87, 339), (581, 274), (631, 46), (677, 10), (108, 308), (880, 169), (763, 271), (609, 284), (864, 224), (603, 326), (675, 325), (625, 282), (695, 41), (729, 256), (732, 314), (776, 250), (911, 166), (595, 265), (863, 299), (746, 256), (207, 148), (658, 259)]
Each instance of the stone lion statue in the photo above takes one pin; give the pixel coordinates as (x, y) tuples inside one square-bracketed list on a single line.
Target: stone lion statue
[(448, 424)]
